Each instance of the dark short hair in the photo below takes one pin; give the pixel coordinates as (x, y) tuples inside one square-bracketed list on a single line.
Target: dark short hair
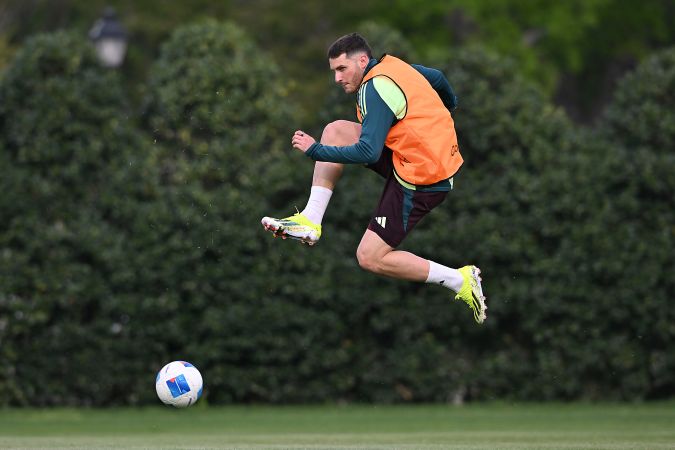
[(349, 44)]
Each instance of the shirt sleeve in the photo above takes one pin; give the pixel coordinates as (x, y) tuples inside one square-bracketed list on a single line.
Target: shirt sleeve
[(440, 84), (377, 120)]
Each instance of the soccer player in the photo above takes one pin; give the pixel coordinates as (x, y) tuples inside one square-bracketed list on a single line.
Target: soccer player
[(406, 134)]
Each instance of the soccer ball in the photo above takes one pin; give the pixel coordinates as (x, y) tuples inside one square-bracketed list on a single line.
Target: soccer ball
[(179, 384)]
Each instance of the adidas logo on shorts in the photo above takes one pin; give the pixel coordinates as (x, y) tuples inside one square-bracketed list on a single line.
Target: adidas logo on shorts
[(382, 221)]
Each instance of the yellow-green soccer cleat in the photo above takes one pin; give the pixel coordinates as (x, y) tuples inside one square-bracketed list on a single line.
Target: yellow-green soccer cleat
[(471, 292), (296, 227)]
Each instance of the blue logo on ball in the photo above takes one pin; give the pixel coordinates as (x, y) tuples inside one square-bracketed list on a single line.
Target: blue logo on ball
[(178, 386)]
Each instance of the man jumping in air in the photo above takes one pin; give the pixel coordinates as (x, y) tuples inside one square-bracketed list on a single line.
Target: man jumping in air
[(407, 135)]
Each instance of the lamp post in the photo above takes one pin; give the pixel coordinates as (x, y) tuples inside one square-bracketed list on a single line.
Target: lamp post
[(110, 39)]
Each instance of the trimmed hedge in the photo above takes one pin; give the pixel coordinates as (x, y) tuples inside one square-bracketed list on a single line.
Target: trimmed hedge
[(75, 174), (127, 242)]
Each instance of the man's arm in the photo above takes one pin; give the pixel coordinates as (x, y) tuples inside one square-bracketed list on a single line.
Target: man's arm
[(440, 84), (377, 120)]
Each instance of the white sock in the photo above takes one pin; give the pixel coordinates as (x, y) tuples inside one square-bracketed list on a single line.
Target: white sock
[(317, 203), (445, 276)]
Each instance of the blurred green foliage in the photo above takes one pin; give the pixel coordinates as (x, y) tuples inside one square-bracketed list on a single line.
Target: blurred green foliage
[(76, 173), (573, 50), (129, 237)]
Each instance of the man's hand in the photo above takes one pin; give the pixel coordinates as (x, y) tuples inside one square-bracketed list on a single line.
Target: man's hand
[(302, 141)]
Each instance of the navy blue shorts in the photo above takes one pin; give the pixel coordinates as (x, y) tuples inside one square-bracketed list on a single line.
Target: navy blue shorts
[(400, 208)]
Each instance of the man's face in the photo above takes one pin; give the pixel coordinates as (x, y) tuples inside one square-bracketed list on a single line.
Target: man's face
[(349, 70)]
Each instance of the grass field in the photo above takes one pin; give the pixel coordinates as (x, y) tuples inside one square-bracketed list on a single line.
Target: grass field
[(492, 426)]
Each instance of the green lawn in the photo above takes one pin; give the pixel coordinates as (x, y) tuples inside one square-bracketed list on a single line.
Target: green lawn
[(482, 426)]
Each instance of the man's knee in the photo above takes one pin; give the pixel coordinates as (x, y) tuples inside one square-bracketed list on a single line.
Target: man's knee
[(367, 260), (341, 133)]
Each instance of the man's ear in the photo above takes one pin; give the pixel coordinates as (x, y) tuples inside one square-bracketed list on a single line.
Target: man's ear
[(363, 60)]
